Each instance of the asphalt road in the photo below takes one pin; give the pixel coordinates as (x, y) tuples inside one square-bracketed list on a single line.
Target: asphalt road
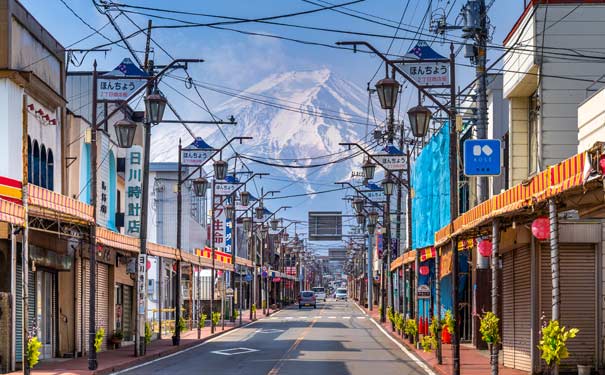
[(336, 338)]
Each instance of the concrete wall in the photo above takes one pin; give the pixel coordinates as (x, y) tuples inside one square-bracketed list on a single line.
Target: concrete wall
[(518, 140), (520, 61), (5, 331)]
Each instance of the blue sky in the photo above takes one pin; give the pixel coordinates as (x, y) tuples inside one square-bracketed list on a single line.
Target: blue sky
[(237, 61)]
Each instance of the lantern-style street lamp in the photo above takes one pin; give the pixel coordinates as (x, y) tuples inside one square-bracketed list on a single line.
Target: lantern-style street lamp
[(274, 224), (373, 217), (155, 104), (420, 117), (260, 212), (371, 228), (200, 185), (247, 222), (360, 218), (229, 211), (387, 89), (220, 169), (358, 204), (368, 169), (244, 197), (125, 131), (388, 184)]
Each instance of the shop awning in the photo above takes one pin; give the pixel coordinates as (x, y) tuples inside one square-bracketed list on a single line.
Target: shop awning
[(11, 213), (243, 262), (49, 204), (568, 174), (118, 241)]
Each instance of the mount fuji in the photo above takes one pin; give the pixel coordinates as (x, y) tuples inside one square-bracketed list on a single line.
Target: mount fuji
[(296, 118)]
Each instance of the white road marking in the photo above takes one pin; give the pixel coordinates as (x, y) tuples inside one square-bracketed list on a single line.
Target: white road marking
[(331, 317), (269, 330), (361, 317), (405, 350), (234, 351), (288, 317), (346, 317)]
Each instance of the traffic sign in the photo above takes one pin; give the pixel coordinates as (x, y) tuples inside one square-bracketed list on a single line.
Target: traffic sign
[(482, 157), (248, 277)]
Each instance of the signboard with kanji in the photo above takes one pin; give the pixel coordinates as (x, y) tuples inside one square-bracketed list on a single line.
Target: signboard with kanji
[(222, 227), (134, 179), (103, 184), (426, 67), (223, 188), (392, 162)]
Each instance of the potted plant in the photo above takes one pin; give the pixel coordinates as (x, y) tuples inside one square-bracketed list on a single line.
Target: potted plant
[(33, 351), (490, 333), (216, 317), (99, 339), (585, 365), (147, 334), (411, 329), (391, 317), (253, 310), (116, 338), (553, 343), (202, 322), (448, 327)]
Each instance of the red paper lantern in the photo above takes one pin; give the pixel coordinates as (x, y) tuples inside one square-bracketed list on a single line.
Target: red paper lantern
[(602, 164), (485, 248), (148, 265), (424, 270), (540, 228)]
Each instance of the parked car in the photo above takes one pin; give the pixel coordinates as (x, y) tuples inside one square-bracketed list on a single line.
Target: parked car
[(341, 293), (320, 293), (307, 298)]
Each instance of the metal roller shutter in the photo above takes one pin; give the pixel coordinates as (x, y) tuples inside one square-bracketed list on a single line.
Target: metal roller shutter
[(31, 308), (577, 268), (516, 309), (102, 300), (127, 312)]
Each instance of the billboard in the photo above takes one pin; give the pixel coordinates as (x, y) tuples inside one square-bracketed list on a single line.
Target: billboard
[(325, 225)]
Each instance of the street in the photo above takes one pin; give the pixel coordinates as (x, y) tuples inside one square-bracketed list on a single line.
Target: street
[(336, 338)]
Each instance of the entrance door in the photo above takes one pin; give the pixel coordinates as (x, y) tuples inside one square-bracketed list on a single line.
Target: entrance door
[(45, 312)]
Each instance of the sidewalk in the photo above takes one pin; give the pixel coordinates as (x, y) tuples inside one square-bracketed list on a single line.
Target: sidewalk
[(472, 361), (115, 360)]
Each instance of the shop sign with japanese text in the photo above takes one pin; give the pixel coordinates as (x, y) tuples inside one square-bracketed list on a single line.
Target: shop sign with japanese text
[(133, 176), (392, 162), (375, 195), (222, 228), (225, 188), (195, 157), (428, 74)]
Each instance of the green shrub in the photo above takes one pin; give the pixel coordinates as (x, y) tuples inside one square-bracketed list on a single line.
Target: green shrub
[(147, 333), (411, 328), (449, 321), (33, 351), (99, 339), (488, 328), (182, 324), (253, 308), (202, 322), (391, 314), (553, 344), (216, 317), (399, 322), (235, 314), (428, 343)]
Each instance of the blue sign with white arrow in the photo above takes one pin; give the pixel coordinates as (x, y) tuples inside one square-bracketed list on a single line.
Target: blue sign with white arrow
[(482, 157)]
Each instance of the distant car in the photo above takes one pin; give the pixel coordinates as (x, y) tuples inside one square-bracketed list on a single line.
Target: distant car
[(320, 293), (341, 293), (307, 298)]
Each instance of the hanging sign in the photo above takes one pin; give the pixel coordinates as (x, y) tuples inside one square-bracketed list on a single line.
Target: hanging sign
[(120, 89), (141, 283), (426, 67), (223, 188), (391, 158), (195, 157), (424, 292), (133, 177)]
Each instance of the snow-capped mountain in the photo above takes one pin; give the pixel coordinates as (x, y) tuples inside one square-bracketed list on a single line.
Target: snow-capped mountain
[(293, 117)]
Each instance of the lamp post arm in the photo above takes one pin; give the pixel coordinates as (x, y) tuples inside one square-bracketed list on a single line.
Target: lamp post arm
[(400, 71), (213, 155), (276, 211), (258, 200), (373, 202), (140, 89)]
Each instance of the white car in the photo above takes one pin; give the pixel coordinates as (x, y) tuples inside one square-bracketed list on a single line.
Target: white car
[(341, 293), (320, 293)]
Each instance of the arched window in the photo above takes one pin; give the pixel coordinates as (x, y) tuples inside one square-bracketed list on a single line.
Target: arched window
[(36, 164), (50, 170), (30, 162), (43, 166)]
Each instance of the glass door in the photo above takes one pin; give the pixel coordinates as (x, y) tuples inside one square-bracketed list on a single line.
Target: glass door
[(45, 307)]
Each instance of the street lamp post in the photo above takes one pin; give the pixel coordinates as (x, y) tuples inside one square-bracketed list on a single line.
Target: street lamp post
[(419, 116)]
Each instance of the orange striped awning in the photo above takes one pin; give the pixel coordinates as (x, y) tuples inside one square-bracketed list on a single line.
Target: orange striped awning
[(49, 201), (11, 213), (409, 257), (427, 253), (554, 180), (117, 240), (398, 262)]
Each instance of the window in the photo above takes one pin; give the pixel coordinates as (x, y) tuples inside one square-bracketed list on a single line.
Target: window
[(532, 133), (50, 170), (36, 164), (43, 167)]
